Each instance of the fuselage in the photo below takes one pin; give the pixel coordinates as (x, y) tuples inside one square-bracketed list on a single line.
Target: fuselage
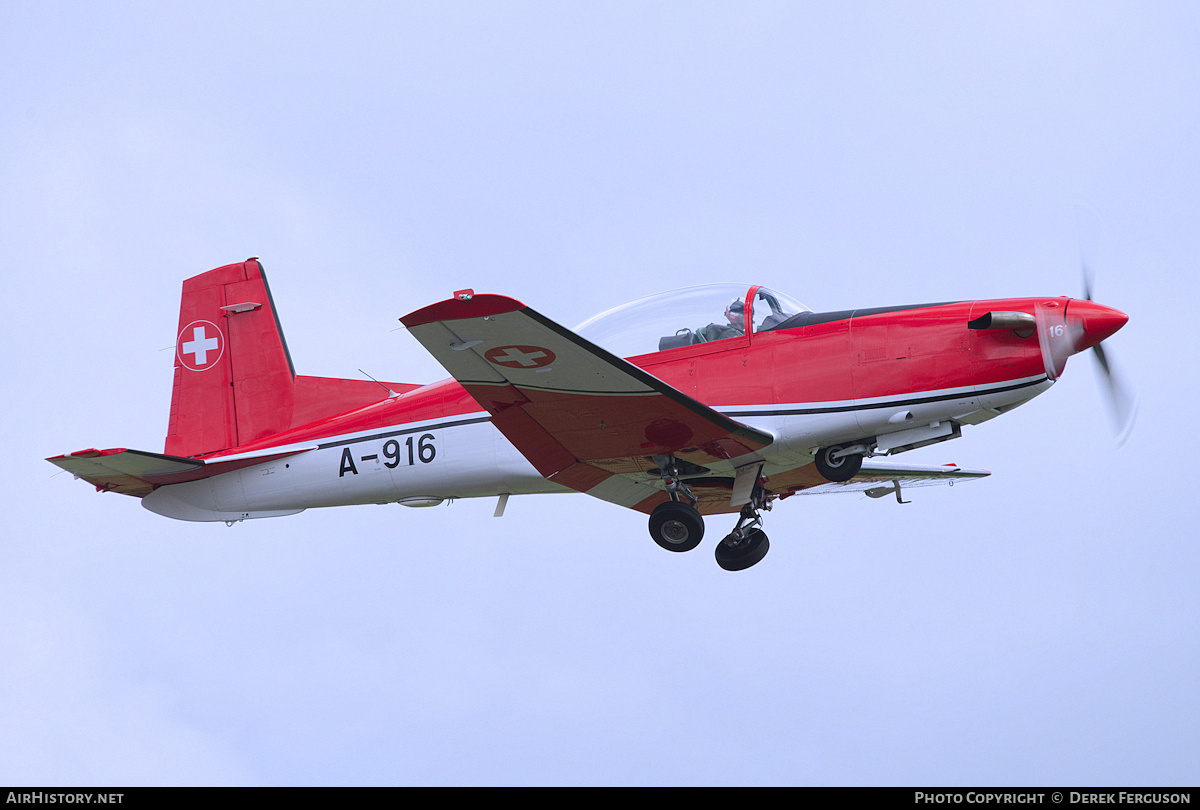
[(896, 378)]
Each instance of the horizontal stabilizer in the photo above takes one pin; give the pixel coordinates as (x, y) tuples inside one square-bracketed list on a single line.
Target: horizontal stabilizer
[(138, 473), (129, 472)]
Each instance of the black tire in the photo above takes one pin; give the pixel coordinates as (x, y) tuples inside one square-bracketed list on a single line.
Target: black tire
[(676, 526), (740, 556), (837, 469)]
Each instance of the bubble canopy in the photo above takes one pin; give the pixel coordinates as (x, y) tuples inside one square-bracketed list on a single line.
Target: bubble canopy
[(688, 317)]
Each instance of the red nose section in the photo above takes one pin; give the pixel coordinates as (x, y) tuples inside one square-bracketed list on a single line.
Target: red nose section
[(1093, 322)]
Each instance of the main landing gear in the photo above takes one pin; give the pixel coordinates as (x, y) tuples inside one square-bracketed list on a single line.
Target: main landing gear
[(677, 525), (747, 543)]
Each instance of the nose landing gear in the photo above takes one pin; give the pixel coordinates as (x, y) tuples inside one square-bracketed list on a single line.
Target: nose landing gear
[(840, 462)]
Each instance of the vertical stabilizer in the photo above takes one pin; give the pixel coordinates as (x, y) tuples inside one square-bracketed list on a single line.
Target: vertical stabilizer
[(234, 380)]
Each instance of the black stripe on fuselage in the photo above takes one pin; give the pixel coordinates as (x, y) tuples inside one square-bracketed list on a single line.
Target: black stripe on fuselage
[(889, 404)]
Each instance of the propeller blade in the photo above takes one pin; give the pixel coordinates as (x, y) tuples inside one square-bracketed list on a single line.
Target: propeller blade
[(1086, 226), (1118, 396), (1101, 359)]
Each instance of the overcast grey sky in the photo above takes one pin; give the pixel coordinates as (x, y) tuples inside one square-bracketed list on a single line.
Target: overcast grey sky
[(1038, 627)]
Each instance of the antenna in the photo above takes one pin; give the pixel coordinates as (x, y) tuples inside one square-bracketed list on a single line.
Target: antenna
[(391, 394)]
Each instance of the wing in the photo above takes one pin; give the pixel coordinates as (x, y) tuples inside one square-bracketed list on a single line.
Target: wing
[(583, 417)]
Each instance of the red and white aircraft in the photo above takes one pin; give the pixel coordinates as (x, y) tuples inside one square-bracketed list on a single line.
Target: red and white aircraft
[(731, 397)]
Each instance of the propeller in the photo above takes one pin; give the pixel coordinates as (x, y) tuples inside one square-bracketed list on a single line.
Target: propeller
[(1119, 396), (1067, 326)]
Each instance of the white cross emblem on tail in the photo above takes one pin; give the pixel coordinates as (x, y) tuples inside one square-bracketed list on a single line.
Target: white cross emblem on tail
[(201, 346)]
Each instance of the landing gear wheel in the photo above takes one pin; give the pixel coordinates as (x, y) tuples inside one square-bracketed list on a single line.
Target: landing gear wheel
[(734, 555), (838, 469), (676, 526)]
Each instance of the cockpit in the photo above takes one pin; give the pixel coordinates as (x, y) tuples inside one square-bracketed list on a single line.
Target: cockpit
[(689, 317)]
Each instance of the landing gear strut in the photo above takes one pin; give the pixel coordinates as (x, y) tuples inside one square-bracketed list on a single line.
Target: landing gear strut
[(747, 543), (676, 525)]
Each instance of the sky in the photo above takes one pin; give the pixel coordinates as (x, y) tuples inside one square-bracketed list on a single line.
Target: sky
[(1039, 627)]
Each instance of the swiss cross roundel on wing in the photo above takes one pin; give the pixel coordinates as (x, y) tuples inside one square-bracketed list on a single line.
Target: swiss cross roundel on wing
[(200, 345), (520, 356)]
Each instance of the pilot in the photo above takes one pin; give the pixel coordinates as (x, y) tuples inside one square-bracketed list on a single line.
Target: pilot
[(735, 315)]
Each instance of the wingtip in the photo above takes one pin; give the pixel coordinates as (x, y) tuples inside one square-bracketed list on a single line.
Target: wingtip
[(91, 452), (460, 308)]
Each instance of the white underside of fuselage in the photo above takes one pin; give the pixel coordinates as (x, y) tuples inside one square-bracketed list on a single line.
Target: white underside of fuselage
[(465, 456)]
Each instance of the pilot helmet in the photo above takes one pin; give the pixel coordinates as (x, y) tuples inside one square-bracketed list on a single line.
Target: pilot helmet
[(736, 312)]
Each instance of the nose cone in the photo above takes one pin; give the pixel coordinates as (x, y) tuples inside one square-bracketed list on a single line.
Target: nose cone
[(1093, 322)]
